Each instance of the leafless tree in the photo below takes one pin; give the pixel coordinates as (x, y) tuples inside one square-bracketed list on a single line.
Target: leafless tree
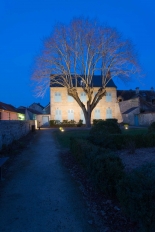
[(74, 52)]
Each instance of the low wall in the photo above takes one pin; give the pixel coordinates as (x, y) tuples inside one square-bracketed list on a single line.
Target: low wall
[(11, 130)]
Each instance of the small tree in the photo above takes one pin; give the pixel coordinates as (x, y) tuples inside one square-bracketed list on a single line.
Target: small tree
[(74, 52)]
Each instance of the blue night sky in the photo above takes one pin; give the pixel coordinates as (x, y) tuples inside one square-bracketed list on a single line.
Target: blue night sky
[(24, 24)]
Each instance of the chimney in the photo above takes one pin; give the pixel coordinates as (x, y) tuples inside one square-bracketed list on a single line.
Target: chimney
[(137, 90)]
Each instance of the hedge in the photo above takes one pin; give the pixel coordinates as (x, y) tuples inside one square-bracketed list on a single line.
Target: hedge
[(136, 194), (122, 141), (104, 168)]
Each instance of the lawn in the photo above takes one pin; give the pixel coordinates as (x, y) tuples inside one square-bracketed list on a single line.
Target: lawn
[(63, 138)]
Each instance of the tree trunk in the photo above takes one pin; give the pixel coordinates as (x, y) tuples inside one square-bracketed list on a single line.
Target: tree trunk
[(87, 115), (88, 121)]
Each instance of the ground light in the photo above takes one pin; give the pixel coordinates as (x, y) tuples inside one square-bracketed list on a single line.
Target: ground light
[(126, 127), (61, 129)]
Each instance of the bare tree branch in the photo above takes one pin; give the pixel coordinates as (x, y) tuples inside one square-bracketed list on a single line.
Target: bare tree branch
[(74, 52)]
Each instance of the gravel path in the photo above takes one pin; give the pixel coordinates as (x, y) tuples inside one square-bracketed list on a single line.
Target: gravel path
[(38, 194)]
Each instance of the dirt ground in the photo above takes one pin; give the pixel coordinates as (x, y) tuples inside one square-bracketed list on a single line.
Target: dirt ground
[(39, 195), (140, 157)]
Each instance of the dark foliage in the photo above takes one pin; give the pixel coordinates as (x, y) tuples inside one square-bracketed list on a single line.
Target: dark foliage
[(136, 193), (104, 168), (151, 128)]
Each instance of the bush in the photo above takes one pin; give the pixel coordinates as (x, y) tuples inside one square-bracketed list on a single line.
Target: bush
[(109, 170), (80, 123), (151, 128), (136, 193), (121, 141), (105, 169), (64, 123), (95, 121), (112, 120), (99, 133)]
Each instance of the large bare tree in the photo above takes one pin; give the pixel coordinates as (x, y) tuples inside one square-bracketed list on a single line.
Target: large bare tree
[(74, 52)]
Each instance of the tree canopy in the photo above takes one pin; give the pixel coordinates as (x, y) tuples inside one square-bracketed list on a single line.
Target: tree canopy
[(75, 52)]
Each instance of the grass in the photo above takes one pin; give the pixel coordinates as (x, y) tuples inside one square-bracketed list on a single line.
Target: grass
[(135, 131), (63, 138)]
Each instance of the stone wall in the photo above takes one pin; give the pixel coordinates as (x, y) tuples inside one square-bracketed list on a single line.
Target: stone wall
[(11, 130), (126, 105), (146, 119)]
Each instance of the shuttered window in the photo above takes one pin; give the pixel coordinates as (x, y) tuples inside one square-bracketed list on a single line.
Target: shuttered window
[(58, 115), (70, 99), (57, 97), (97, 114), (82, 117), (83, 97), (108, 97), (70, 114), (108, 113)]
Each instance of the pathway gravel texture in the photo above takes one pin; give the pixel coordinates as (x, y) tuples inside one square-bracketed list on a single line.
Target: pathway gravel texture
[(39, 195)]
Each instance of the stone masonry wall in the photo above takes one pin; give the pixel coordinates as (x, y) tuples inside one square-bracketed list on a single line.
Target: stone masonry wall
[(11, 130), (64, 105)]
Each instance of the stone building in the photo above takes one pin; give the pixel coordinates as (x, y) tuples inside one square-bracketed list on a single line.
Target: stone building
[(137, 106), (64, 107)]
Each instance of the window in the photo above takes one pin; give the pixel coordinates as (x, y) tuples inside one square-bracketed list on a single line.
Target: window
[(82, 117), (83, 97), (58, 115), (70, 99), (70, 114), (108, 97), (108, 113), (57, 97), (97, 114)]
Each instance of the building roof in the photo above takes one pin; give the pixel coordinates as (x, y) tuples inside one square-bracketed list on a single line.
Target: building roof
[(97, 82), (130, 110), (147, 95), (22, 109), (7, 107), (36, 104)]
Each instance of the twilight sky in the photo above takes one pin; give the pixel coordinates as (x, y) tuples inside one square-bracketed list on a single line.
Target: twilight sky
[(25, 23)]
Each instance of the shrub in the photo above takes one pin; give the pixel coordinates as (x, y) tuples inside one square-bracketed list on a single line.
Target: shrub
[(99, 133), (104, 168), (136, 193), (95, 121), (80, 123), (121, 141), (112, 120), (52, 122), (109, 170), (64, 123), (151, 128)]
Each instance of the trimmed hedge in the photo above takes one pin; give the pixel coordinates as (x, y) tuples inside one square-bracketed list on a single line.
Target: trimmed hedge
[(151, 128), (99, 133), (136, 193), (65, 123), (121, 141), (105, 169)]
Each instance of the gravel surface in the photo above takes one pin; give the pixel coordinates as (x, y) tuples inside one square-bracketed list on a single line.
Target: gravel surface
[(39, 195)]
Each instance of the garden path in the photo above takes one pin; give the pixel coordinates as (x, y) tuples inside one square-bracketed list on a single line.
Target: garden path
[(39, 195)]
